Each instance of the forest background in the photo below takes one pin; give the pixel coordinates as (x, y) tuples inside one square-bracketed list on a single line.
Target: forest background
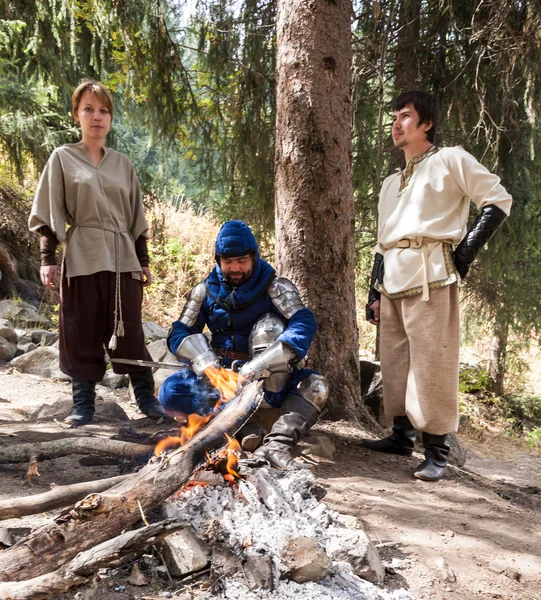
[(195, 110)]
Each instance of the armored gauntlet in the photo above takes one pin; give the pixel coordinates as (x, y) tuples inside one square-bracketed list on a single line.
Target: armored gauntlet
[(275, 359), (196, 351)]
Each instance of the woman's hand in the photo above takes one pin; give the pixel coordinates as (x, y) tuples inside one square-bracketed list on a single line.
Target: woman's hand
[(147, 277), (48, 275)]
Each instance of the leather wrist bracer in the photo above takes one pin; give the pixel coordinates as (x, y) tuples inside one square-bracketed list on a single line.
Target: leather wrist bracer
[(377, 276), (478, 235)]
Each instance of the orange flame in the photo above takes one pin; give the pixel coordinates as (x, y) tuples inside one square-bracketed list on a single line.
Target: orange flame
[(195, 422), (233, 453), (225, 381)]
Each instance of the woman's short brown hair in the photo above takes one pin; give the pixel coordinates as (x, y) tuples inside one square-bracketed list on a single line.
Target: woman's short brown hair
[(89, 85)]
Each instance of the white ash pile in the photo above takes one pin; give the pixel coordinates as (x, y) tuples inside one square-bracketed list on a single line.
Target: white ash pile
[(268, 536)]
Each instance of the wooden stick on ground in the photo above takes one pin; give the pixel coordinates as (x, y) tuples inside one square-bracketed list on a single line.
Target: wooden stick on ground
[(57, 497), (83, 566), (18, 453), (105, 515)]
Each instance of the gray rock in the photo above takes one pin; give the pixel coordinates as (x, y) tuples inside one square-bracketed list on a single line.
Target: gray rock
[(323, 446), (42, 337), (354, 547), (258, 572), (22, 314), (42, 361), (444, 570), (20, 333), (498, 565), (6, 540), (457, 454), (7, 350), (25, 348), (184, 552), (105, 411), (160, 353), (158, 350), (305, 560), (153, 332), (114, 381), (8, 332)]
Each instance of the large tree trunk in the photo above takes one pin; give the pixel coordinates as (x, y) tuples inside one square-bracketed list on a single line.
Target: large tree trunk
[(315, 220), (498, 353)]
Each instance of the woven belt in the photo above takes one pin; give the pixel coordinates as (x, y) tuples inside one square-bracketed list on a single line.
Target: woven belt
[(222, 353), (419, 243)]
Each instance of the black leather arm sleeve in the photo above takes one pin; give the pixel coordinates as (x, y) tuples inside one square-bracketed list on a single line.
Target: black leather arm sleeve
[(479, 234), (377, 275)]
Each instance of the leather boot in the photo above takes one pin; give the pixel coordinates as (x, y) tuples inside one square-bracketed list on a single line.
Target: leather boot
[(297, 415), (84, 397), (436, 453), (143, 390), (250, 436), (401, 441)]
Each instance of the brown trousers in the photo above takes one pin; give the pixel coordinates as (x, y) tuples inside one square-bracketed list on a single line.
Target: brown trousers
[(87, 313), (419, 350)]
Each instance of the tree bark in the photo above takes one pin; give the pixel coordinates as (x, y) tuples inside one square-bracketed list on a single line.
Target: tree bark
[(315, 219), (58, 497), (101, 516), (498, 354)]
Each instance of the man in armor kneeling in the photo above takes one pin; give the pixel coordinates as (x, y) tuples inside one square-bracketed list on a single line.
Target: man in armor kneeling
[(259, 324)]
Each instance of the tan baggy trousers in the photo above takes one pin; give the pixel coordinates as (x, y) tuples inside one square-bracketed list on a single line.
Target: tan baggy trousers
[(419, 351)]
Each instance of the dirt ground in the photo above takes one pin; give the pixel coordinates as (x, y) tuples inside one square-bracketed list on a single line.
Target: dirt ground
[(473, 535)]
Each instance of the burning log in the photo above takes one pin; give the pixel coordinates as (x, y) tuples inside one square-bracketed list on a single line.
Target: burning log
[(121, 506), (80, 569)]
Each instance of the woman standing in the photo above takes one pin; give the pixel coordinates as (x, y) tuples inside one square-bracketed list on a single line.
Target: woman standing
[(88, 199)]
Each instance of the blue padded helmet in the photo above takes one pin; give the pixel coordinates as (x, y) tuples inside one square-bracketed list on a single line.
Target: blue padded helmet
[(235, 238)]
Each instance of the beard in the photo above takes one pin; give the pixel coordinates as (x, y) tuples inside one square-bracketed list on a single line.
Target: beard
[(237, 280)]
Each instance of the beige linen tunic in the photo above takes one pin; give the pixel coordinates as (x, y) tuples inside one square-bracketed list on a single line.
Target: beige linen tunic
[(432, 209), (95, 212)]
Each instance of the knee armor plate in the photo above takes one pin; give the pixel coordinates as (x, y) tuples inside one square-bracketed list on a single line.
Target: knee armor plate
[(315, 389)]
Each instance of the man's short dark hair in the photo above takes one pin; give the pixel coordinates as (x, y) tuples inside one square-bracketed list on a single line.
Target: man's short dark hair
[(427, 107)]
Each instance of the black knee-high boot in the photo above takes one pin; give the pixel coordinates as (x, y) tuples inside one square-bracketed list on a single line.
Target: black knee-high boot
[(401, 441), (436, 453), (84, 398), (143, 389), (297, 415)]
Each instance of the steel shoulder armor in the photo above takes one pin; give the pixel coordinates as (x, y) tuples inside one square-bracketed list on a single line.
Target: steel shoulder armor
[(191, 309), (285, 297)]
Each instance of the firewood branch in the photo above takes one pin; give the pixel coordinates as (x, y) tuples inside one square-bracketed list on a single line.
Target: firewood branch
[(84, 565), (19, 453), (58, 497)]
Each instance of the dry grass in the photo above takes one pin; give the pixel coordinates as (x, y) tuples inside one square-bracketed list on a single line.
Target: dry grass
[(182, 254)]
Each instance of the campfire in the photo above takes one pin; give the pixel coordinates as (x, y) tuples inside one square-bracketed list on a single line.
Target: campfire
[(252, 531), (264, 533)]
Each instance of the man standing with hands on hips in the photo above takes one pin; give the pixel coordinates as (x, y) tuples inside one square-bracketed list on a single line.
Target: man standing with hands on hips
[(424, 250)]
